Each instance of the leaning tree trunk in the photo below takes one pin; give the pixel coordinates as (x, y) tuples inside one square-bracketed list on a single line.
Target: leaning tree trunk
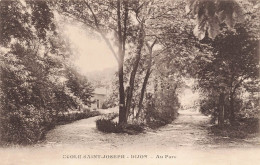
[(140, 104), (135, 67), (147, 75)]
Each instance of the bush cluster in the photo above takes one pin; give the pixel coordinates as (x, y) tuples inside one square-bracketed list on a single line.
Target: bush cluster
[(36, 80), (29, 125), (162, 108), (25, 126), (246, 111), (70, 117), (110, 102), (241, 130), (107, 125), (31, 97)]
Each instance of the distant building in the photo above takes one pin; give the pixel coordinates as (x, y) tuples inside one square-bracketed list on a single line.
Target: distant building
[(99, 96)]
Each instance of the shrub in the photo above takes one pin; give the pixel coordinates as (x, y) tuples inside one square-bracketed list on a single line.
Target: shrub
[(133, 129), (65, 118), (104, 106), (24, 126), (28, 125), (110, 102), (242, 129), (107, 125), (162, 108)]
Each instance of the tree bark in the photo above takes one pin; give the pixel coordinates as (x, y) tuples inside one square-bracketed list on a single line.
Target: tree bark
[(122, 108), (231, 109), (231, 103), (140, 104), (221, 110), (122, 36), (135, 67), (121, 53), (147, 75)]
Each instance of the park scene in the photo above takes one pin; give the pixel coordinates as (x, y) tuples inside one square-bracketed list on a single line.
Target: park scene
[(92, 81)]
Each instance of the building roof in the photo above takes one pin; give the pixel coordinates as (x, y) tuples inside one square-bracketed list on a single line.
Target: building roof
[(101, 91)]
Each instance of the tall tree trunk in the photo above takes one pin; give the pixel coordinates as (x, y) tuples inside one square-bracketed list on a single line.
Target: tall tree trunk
[(231, 110), (135, 67), (122, 108), (221, 110), (122, 36), (231, 103), (121, 53)]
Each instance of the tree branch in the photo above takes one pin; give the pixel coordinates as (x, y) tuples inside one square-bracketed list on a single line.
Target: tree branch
[(101, 33), (154, 42), (93, 14), (119, 21), (125, 26), (239, 83)]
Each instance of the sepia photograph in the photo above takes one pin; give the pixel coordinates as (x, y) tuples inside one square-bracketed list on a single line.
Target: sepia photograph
[(93, 82)]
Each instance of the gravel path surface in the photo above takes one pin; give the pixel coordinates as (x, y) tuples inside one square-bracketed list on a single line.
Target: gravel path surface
[(188, 130), (186, 141)]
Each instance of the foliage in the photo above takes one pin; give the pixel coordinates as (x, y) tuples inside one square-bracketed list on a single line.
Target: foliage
[(231, 62), (234, 62), (110, 102), (210, 15), (24, 126), (153, 44), (162, 106), (68, 117), (250, 104), (79, 85), (107, 126), (32, 68), (106, 123), (165, 108), (241, 131), (208, 106), (133, 25)]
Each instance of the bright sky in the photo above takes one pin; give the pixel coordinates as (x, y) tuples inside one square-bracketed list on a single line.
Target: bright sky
[(93, 53), (188, 97)]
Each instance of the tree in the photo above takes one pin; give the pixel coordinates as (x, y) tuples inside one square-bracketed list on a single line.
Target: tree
[(128, 21), (106, 17), (218, 23), (23, 99), (79, 85), (147, 75), (32, 59), (210, 14), (234, 62), (161, 33)]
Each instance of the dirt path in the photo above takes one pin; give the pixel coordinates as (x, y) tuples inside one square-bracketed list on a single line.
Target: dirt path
[(188, 130), (187, 141)]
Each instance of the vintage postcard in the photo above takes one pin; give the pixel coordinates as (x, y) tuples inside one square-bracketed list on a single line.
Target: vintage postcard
[(129, 82)]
